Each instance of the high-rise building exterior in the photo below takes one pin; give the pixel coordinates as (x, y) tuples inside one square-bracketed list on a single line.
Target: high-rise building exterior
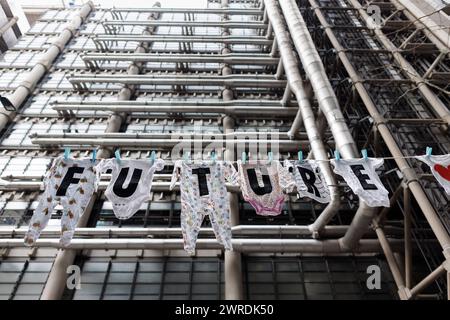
[(310, 75)]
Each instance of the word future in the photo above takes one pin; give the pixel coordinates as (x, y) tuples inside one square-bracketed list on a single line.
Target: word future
[(186, 310)]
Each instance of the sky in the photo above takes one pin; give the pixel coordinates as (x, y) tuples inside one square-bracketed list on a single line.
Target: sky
[(120, 3)]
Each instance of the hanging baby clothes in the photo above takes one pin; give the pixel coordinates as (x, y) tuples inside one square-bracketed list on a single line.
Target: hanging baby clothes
[(71, 183), (362, 178), (131, 182), (308, 180), (440, 167), (261, 187), (203, 192)]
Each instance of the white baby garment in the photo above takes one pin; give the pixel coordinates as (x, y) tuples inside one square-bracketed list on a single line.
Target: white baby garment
[(71, 183), (440, 167), (131, 181), (308, 180), (204, 192), (362, 178)]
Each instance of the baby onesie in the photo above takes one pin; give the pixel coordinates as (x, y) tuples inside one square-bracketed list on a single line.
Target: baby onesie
[(131, 181), (260, 186), (203, 192), (440, 167), (308, 180), (361, 177), (71, 183)]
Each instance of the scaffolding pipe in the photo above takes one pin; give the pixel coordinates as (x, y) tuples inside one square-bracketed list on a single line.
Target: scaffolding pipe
[(380, 123), (185, 39), (305, 113), (41, 67), (8, 25), (433, 100), (298, 246), (55, 285), (428, 281), (330, 108), (230, 11), (204, 24)]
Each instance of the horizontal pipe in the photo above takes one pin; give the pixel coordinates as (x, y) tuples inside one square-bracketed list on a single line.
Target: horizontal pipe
[(254, 59), (254, 81), (205, 24), (234, 110), (231, 11), (299, 246), (186, 39)]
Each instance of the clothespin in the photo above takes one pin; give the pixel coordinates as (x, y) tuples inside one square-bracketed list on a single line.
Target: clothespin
[(66, 153), (152, 157), (337, 155), (213, 157), (300, 156), (186, 156), (117, 154), (244, 157), (270, 155), (364, 154), (429, 151), (94, 155)]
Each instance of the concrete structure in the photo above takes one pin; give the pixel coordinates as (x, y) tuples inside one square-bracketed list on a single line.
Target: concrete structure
[(315, 72)]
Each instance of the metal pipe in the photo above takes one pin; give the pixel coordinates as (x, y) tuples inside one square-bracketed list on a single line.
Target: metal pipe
[(254, 59), (8, 25), (253, 81), (200, 103), (31, 79), (186, 39), (278, 112), (299, 246), (428, 281), (230, 11), (433, 100), (408, 172), (204, 24), (408, 244), (305, 113)]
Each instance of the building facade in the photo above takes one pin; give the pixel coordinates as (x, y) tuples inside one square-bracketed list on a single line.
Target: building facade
[(310, 75)]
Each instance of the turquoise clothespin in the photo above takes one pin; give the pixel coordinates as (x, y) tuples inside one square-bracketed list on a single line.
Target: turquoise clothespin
[(117, 154), (364, 154), (152, 157), (300, 156), (244, 157), (337, 155), (186, 156), (429, 151), (213, 157), (66, 153), (94, 155), (270, 155)]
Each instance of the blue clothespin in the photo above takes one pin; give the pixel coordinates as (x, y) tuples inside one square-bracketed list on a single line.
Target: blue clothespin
[(270, 155), (244, 157), (364, 154), (337, 155), (186, 156), (117, 154), (300, 156), (213, 157), (66, 153), (94, 155), (152, 157), (429, 151)]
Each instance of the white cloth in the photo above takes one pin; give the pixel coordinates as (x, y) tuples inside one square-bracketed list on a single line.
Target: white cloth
[(204, 192), (131, 182), (71, 183), (362, 178), (308, 180), (440, 167)]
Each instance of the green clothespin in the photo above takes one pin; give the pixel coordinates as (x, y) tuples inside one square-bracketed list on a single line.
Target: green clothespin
[(244, 157), (117, 154), (94, 155), (270, 156), (429, 151), (364, 154), (66, 153), (300, 156), (186, 156), (152, 157), (337, 155), (213, 157)]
